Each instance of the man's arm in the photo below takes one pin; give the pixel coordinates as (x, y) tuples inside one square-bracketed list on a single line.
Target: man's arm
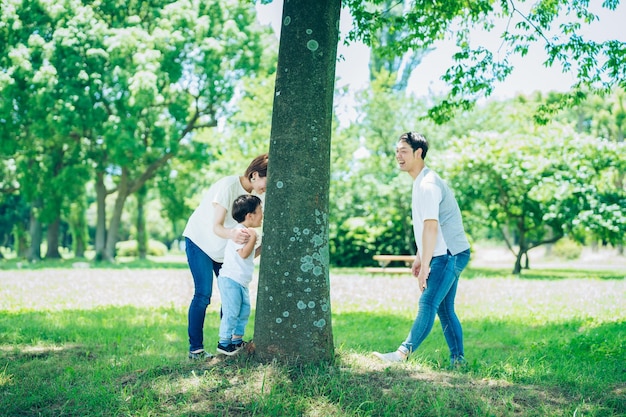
[(429, 240)]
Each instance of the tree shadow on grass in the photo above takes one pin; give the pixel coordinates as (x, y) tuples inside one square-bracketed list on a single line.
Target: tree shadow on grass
[(127, 361)]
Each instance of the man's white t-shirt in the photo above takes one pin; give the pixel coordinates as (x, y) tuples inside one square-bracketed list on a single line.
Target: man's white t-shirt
[(200, 225), (432, 199)]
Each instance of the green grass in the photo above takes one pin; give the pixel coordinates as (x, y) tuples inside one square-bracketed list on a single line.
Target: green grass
[(112, 342)]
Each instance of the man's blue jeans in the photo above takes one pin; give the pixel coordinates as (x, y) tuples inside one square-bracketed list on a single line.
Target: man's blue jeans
[(202, 269), (438, 298), (235, 309)]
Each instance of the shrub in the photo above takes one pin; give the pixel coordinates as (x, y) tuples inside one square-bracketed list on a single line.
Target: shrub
[(567, 249), (129, 248)]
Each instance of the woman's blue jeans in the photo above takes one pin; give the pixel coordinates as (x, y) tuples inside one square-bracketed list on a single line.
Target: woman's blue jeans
[(438, 298), (235, 309), (202, 269)]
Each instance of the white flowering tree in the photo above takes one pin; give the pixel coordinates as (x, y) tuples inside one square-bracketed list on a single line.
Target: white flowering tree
[(116, 88)]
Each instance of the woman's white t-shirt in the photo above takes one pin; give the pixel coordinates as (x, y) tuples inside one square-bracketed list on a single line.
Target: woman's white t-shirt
[(199, 227)]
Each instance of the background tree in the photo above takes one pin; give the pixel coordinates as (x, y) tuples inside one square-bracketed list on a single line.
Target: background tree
[(477, 68), (293, 302), (123, 86), (214, 45), (79, 230), (534, 188), (370, 204), (397, 67)]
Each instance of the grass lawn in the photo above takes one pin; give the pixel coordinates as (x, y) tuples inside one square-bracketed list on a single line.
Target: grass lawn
[(112, 342)]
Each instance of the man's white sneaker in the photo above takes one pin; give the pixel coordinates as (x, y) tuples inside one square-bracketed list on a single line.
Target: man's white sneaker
[(391, 356)]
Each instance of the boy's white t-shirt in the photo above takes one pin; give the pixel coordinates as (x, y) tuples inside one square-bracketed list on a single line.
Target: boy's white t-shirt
[(235, 267), (200, 225)]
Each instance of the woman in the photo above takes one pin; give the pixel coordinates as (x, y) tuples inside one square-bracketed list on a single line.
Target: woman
[(206, 234)]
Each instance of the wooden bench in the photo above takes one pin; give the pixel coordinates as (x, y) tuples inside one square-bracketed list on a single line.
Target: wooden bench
[(385, 260)]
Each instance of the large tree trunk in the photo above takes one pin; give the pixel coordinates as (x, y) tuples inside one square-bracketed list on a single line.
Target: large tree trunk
[(293, 316), (52, 237)]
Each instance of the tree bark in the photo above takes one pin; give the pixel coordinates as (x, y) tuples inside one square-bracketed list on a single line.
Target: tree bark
[(35, 232), (116, 217), (101, 221), (142, 234), (293, 315), (21, 241), (52, 237), (78, 226)]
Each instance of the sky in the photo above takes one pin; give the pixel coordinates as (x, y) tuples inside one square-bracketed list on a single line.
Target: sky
[(529, 74)]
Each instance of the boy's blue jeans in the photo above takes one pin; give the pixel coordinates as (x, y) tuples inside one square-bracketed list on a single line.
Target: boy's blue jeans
[(202, 269), (438, 298), (235, 309)]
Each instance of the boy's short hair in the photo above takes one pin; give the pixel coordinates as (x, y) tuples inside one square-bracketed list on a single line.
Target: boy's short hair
[(243, 205)]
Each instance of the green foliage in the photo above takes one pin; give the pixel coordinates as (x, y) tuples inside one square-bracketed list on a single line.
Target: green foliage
[(368, 196), (535, 188), (131, 90), (352, 243), (417, 25), (114, 91), (130, 248)]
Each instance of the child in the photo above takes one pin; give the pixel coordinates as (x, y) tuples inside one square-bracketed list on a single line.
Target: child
[(236, 274)]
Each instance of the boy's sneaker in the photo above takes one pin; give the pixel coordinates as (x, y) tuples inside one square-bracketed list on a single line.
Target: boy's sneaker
[(228, 350), (200, 354), (240, 344), (396, 356)]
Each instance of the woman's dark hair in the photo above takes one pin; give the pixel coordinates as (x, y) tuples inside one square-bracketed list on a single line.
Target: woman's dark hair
[(258, 164), (416, 141), (243, 205)]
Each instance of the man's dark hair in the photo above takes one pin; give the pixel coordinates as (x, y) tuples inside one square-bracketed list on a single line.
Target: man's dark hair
[(243, 205), (416, 141)]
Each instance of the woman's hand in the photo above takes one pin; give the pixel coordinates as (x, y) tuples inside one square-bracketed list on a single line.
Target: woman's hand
[(240, 236)]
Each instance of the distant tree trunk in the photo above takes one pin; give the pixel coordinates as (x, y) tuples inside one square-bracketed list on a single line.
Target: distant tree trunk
[(293, 316), (116, 217), (114, 226), (52, 237), (101, 195), (21, 240), (526, 262), (142, 235), (400, 65), (35, 232), (78, 227)]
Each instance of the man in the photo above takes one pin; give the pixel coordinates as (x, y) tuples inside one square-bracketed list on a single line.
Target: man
[(442, 252)]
